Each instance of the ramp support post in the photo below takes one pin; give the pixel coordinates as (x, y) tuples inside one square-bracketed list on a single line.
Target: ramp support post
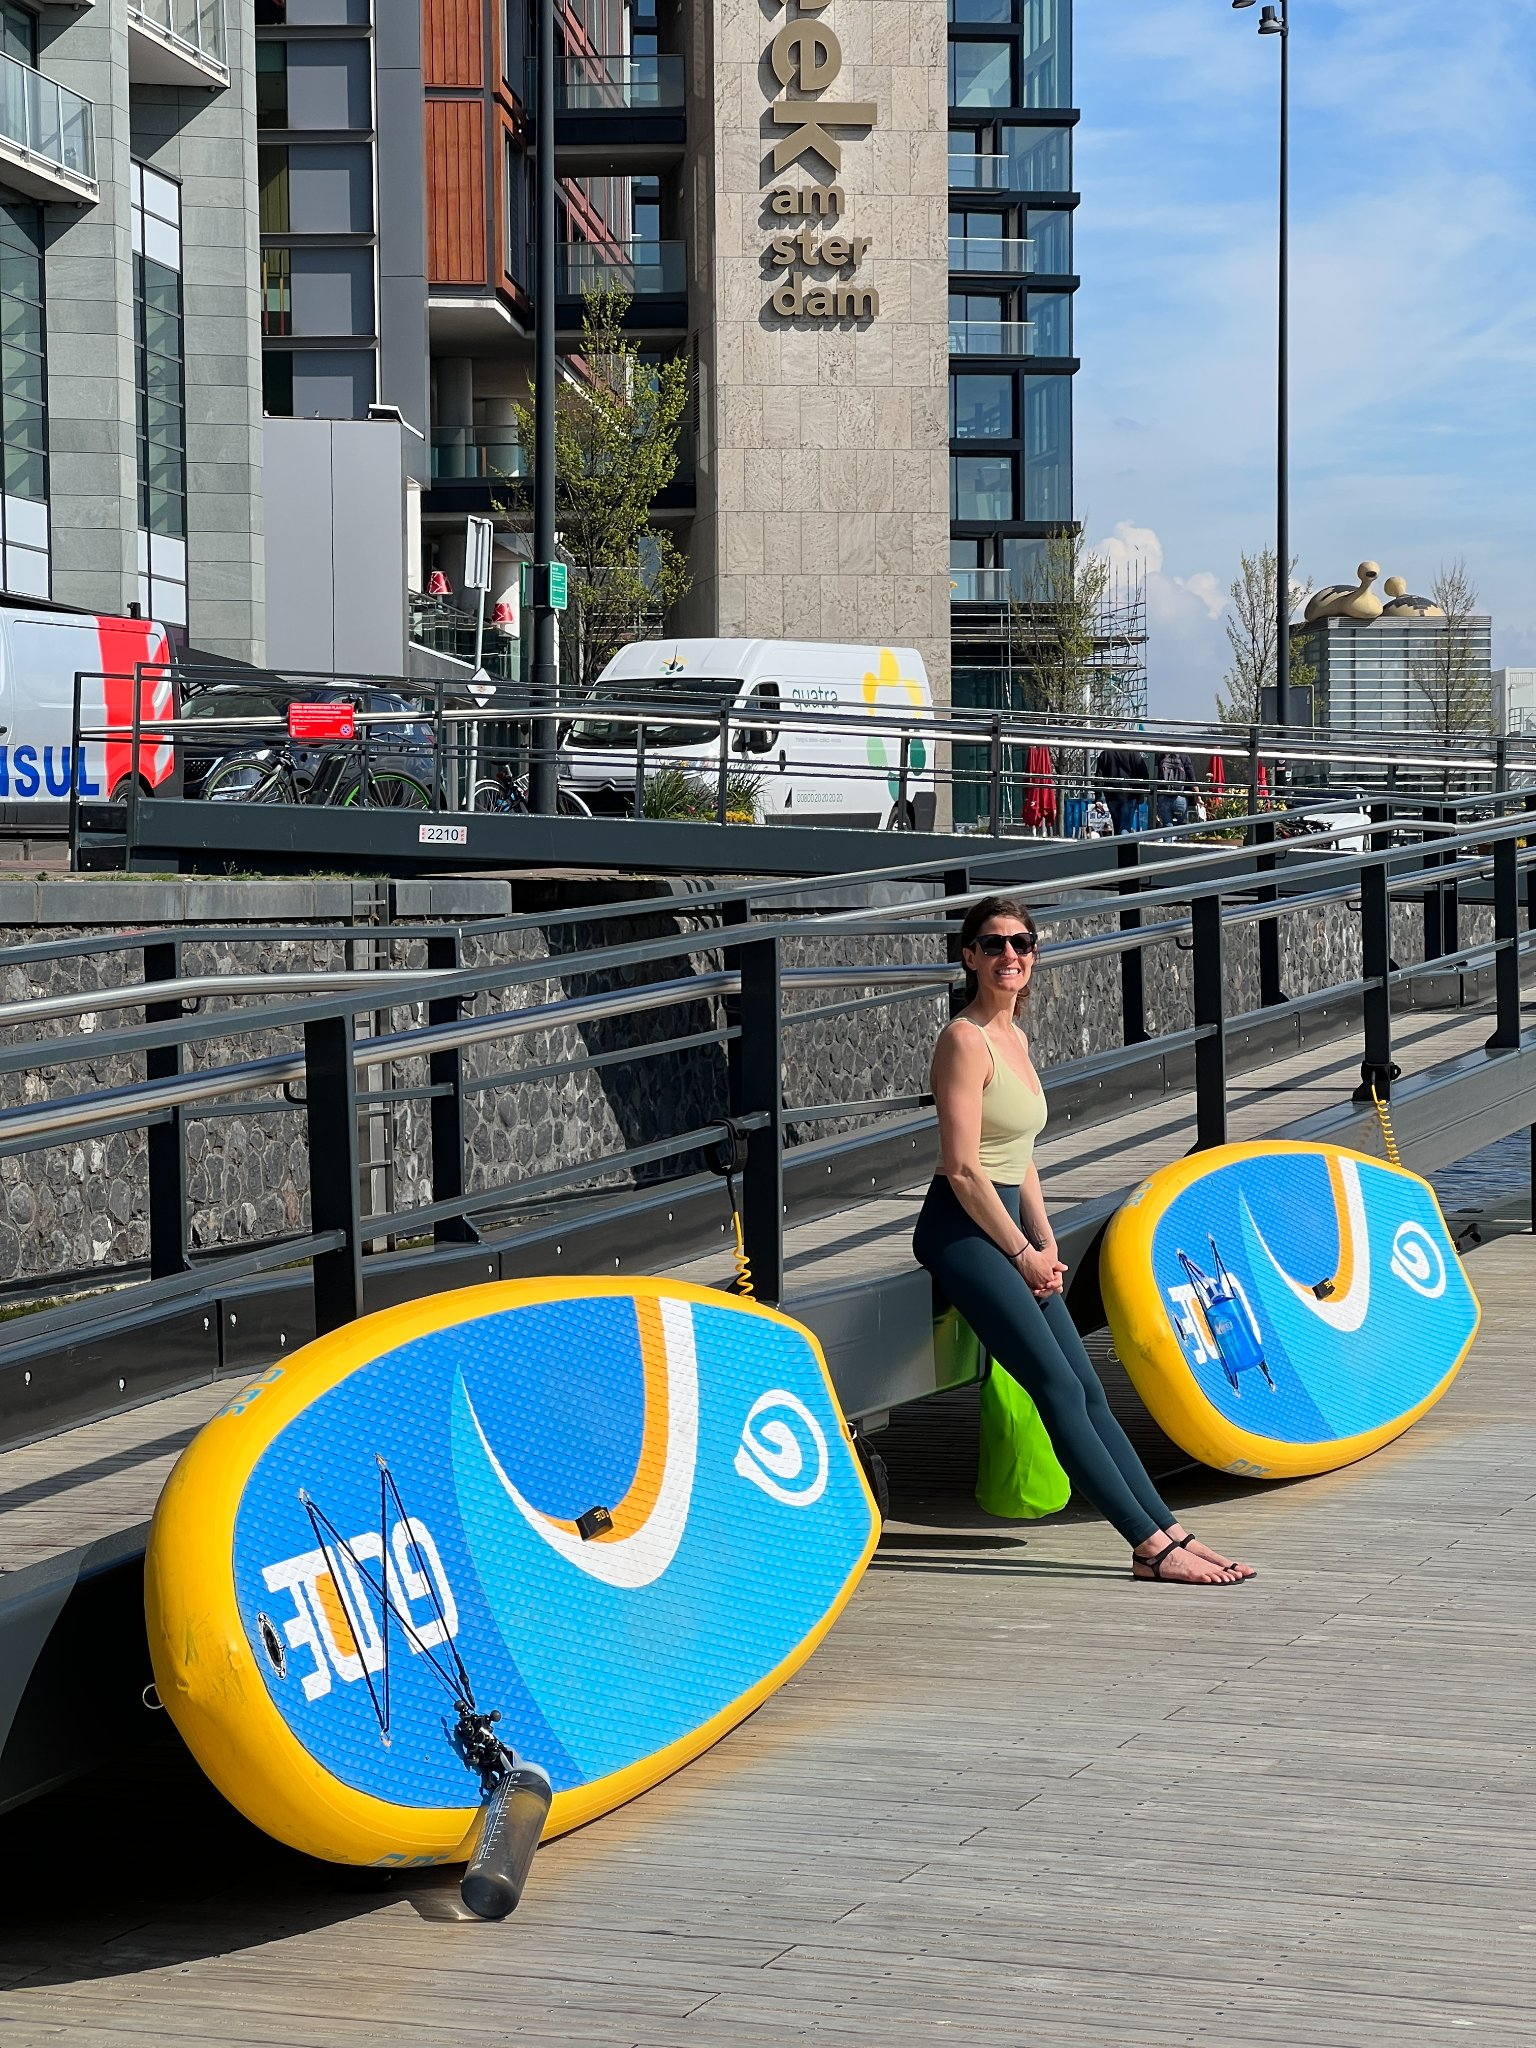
[(330, 1096), (1133, 992), (760, 1091), (1270, 991), (957, 882), (1210, 1010), (1506, 939), (445, 1074), (165, 1143), (1376, 970)]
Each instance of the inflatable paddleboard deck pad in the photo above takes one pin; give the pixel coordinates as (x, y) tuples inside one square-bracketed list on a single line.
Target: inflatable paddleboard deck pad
[(1284, 1309), (617, 1514)]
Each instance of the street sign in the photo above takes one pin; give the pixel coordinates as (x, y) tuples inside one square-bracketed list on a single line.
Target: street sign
[(321, 722), (481, 688), (477, 554), (559, 585)]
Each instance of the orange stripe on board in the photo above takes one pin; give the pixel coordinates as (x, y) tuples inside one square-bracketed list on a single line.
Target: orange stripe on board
[(634, 1510)]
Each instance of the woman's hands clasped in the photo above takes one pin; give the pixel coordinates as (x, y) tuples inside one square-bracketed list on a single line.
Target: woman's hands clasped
[(1042, 1271)]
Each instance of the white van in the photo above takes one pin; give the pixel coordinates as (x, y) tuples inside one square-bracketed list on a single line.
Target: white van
[(40, 655), (808, 772)]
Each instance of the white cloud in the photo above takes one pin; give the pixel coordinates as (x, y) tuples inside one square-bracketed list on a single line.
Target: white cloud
[(1182, 612)]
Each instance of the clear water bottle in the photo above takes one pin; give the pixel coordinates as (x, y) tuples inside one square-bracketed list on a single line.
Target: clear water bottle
[(514, 1820)]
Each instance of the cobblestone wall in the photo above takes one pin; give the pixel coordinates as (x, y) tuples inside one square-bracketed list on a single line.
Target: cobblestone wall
[(83, 1204)]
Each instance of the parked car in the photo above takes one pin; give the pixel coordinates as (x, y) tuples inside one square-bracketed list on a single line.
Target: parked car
[(402, 749)]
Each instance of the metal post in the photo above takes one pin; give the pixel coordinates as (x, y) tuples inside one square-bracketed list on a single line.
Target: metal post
[(1506, 939), (165, 1142), (640, 769), (957, 882), (1210, 1009), (1133, 994), (1270, 991), (445, 1074), (1283, 392), (330, 1099), (1376, 968), (995, 778), (544, 675), (725, 763), (1253, 776), (1434, 898), (131, 842), (760, 1089)]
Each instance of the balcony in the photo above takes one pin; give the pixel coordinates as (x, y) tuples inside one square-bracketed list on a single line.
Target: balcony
[(177, 42), (618, 114), (971, 171), (991, 337), (980, 586), (997, 255), (47, 136), (472, 454), (643, 269)]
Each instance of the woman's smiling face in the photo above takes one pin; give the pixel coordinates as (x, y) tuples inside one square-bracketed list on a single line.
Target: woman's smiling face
[(1002, 967)]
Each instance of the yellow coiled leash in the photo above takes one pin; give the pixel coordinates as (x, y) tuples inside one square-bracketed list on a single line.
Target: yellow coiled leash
[(1384, 1118), (728, 1159)]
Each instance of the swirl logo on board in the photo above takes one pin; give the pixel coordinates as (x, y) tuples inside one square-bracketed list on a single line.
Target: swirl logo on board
[(783, 1449), (1417, 1262)]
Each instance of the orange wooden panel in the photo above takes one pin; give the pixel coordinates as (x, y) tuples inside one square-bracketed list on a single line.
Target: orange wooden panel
[(456, 191), (453, 42)]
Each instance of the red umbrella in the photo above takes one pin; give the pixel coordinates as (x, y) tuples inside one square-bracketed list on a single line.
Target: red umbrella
[(1040, 787), (1263, 784), (1218, 771)]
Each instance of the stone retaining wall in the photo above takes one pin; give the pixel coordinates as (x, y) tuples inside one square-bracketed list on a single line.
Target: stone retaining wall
[(83, 1205)]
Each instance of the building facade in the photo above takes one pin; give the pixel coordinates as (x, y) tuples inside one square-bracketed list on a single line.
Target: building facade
[(1400, 672), (132, 393)]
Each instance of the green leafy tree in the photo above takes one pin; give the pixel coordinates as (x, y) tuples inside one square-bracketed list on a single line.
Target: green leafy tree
[(618, 421), (1057, 617), (1253, 635)]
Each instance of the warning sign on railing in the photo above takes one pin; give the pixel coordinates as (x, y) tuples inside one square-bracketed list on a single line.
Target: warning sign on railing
[(321, 722)]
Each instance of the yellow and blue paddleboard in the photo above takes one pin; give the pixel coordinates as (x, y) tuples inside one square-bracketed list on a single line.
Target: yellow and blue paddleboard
[(1284, 1309), (406, 1508)]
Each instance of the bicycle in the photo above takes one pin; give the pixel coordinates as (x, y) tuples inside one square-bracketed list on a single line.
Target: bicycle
[(508, 793), (272, 775)]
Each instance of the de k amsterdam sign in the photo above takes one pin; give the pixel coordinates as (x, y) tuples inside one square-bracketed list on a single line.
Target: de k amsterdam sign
[(819, 259)]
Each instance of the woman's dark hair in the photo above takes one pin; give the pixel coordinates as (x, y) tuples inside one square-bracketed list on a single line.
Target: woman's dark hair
[(982, 913)]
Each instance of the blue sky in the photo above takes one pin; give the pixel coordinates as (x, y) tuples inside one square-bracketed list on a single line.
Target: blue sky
[(1413, 296)]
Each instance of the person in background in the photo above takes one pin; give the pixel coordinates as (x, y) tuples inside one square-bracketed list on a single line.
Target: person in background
[(1121, 778), (1175, 787), (985, 1237)]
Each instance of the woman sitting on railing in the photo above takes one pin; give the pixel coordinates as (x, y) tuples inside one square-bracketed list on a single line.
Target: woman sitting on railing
[(984, 1235)]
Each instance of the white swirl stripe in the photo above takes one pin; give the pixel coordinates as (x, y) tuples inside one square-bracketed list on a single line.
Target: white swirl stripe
[(773, 1453), (640, 1559), (1417, 1261)]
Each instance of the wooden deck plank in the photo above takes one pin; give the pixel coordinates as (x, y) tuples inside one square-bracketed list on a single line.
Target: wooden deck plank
[(1014, 1798)]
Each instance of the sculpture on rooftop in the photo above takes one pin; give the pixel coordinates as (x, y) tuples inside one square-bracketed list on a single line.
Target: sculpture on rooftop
[(1347, 600)]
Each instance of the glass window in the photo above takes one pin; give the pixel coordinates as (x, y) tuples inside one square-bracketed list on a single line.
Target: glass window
[(18, 34), (1047, 53), (981, 75), (1039, 159), (277, 383), (967, 552), (162, 420), (272, 172), (983, 11), (1050, 318), (23, 402), (1022, 559), (1051, 236), (981, 487), (276, 291), (981, 406), (272, 85), (1048, 448)]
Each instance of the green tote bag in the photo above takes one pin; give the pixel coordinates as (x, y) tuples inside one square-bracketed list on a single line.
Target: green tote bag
[(1017, 1473)]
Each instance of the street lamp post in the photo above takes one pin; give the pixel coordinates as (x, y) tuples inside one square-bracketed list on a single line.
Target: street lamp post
[(1273, 21), (544, 677)]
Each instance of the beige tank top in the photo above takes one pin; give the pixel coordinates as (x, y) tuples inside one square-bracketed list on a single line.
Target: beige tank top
[(1012, 1118)]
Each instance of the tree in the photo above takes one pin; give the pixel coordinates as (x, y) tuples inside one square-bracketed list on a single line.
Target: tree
[(1056, 622), (617, 425), (1253, 634), (1448, 671)]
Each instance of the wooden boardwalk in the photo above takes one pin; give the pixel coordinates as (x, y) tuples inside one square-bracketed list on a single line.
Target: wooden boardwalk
[(1015, 1799)]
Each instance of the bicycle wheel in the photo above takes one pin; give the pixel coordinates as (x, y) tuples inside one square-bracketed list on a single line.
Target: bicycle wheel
[(248, 782), (490, 796), (387, 790)]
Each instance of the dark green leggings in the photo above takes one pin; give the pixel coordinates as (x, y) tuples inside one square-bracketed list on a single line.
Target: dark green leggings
[(1037, 1342)]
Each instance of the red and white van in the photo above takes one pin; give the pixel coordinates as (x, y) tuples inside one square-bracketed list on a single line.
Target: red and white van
[(41, 653)]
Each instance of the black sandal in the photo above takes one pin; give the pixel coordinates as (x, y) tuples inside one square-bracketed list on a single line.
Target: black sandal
[(1159, 1558)]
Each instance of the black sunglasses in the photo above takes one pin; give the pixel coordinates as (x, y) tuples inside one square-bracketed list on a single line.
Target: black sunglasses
[(992, 944)]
